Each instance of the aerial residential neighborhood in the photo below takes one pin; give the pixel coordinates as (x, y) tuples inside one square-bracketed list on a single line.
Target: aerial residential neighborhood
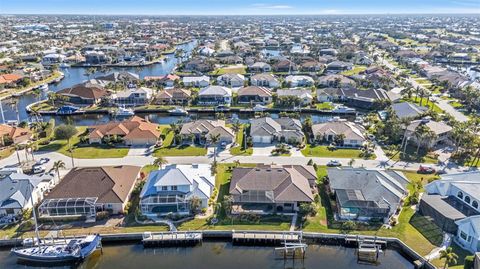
[(333, 137)]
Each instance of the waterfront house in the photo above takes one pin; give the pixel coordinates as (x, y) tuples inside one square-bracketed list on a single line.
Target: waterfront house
[(259, 67), (13, 135), (84, 94), (215, 95), (198, 65), (451, 198), (468, 233), (170, 190), (353, 134), (254, 95), (10, 80), (200, 131), (299, 81), (266, 189), (338, 66), (84, 191), (231, 80), (367, 194), (19, 192), (199, 82), (132, 97), (336, 81), (284, 66), (135, 131), (304, 96), (174, 96), (268, 130), (407, 110), (365, 99), (53, 58), (94, 57), (441, 130), (122, 77), (264, 80)]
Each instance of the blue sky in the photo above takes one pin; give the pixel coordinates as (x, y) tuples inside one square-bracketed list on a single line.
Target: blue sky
[(233, 7)]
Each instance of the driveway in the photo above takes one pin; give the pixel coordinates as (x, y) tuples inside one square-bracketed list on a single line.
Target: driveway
[(140, 151), (262, 149)]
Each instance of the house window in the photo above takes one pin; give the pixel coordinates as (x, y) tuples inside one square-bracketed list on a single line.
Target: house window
[(467, 199), (174, 188), (475, 204), (460, 195), (164, 188), (463, 235)]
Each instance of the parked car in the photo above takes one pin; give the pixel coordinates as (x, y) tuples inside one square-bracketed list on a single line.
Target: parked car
[(37, 169), (43, 161), (334, 163), (425, 169)]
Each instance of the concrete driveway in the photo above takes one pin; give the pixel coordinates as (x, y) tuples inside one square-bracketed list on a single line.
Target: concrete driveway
[(140, 151), (262, 149)]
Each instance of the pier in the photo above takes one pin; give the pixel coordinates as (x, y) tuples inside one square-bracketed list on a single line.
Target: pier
[(171, 239), (263, 238)]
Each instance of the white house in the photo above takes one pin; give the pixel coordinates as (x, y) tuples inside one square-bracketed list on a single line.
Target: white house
[(201, 82), (299, 81), (170, 190), (265, 80), (231, 80), (53, 58), (468, 233), (215, 95), (132, 97)]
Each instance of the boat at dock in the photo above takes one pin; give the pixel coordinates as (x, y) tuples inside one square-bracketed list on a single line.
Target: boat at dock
[(43, 87), (124, 112), (343, 109), (178, 111), (70, 251), (67, 110)]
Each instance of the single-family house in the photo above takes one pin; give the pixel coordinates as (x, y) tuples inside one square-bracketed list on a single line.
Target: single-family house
[(173, 96), (254, 95), (231, 80), (267, 130), (200, 131), (304, 96), (266, 189), (215, 95), (259, 67), (132, 97), (84, 191), (353, 134), (407, 110), (84, 94), (170, 190), (336, 81), (367, 194), (135, 131), (468, 233), (338, 66), (294, 81), (441, 130), (199, 82), (264, 80), (13, 135)]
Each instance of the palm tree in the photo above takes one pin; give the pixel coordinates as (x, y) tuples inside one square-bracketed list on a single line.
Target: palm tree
[(17, 148), (449, 256), (214, 140), (160, 161), (422, 133), (52, 97), (57, 165)]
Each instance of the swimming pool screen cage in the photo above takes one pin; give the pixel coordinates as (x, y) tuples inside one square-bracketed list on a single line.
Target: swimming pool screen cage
[(68, 206)]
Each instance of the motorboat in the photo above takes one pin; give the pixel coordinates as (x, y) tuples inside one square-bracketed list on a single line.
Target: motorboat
[(124, 112), (259, 108), (43, 87), (343, 109), (67, 110), (68, 251), (178, 111), (64, 65)]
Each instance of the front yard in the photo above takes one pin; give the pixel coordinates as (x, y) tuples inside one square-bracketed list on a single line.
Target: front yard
[(240, 141), (167, 149), (411, 155), (84, 151), (324, 151)]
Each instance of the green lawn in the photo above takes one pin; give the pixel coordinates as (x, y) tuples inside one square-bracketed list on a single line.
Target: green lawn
[(412, 156), (87, 151), (324, 106), (461, 258), (6, 152), (428, 104), (168, 149), (230, 70), (355, 71), (323, 151), (239, 150)]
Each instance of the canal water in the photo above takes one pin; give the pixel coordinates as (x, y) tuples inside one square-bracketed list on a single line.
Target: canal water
[(75, 75), (216, 255)]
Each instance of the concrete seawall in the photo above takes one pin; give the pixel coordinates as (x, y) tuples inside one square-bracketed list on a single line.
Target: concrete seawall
[(311, 238)]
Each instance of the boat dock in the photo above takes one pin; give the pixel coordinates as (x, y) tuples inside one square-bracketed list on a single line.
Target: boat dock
[(368, 247), (357, 240), (264, 238), (172, 239)]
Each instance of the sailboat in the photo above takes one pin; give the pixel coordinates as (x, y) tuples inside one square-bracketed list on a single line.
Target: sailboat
[(71, 250)]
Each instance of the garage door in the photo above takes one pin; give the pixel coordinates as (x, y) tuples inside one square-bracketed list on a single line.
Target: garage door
[(262, 139)]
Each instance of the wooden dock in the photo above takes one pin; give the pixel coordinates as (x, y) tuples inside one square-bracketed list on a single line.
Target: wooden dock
[(254, 238), (356, 240), (171, 239)]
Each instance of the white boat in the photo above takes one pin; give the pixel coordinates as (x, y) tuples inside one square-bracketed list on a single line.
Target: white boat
[(343, 109), (43, 87), (68, 251), (64, 65), (178, 111), (259, 108), (124, 112)]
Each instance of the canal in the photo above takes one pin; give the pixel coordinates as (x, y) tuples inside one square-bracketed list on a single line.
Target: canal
[(75, 75), (212, 255)]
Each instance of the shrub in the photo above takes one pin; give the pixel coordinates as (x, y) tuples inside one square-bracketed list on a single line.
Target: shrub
[(307, 209), (310, 162), (348, 226), (469, 260), (101, 215)]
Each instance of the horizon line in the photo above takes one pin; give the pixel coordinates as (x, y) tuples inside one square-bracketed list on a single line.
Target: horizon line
[(474, 12)]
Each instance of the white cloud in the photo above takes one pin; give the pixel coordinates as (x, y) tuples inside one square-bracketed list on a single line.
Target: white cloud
[(270, 6)]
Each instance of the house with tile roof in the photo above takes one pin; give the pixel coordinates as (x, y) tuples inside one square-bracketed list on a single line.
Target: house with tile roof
[(271, 188), (255, 95), (169, 190), (84, 93), (354, 134), (84, 191), (135, 131), (173, 96), (268, 130), (200, 131), (15, 134)]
